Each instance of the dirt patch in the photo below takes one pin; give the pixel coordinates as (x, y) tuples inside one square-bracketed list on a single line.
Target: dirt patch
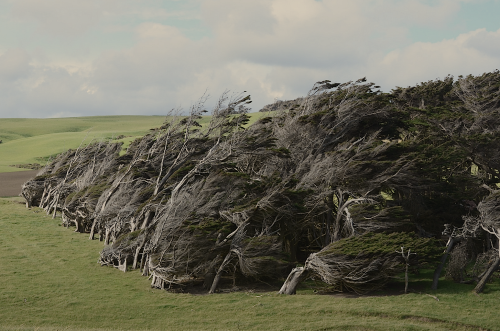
[(11, 182)]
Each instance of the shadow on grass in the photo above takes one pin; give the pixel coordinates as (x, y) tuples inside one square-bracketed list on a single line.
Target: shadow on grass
[(418, 283)]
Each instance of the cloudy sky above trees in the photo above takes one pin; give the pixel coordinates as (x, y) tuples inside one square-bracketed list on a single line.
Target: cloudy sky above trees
[(63, 58)]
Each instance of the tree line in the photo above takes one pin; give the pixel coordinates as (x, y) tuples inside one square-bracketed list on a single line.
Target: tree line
[(336, 185)]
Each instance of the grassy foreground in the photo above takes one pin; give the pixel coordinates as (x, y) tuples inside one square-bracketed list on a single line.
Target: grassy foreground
[(49, 280)]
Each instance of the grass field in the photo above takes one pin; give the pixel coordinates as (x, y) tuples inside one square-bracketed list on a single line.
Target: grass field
[(50, 280), (34, 140)]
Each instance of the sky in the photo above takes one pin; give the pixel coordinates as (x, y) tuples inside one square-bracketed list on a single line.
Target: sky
[(64, 58)]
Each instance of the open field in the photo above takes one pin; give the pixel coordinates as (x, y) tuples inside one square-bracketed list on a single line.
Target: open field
[(50, 281), (34, 140)]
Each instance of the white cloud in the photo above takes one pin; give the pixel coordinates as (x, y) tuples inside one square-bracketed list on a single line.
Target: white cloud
[(484, 41), (14, 65), (270, 48), (469, 53), (59, 17)]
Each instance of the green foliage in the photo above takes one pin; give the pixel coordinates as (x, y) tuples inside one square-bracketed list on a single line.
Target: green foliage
[(92, 192), (237, 174), (181, 172), (282, 151), (209, 225), (127, 238), (146, 193), (377, 244), (314, 118), (265, 120)]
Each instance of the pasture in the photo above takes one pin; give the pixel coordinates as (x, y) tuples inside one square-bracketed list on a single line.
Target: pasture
[(50, 280), (35, 140), (31, 140)]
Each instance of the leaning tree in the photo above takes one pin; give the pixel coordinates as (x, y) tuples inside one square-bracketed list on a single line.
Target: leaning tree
[(314, 182)]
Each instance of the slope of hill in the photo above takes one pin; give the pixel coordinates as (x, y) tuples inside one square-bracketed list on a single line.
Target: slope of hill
[(35, 140), (28, 141)]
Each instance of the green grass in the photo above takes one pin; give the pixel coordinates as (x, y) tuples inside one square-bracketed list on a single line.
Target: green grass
[(50, 280), (34, 140)]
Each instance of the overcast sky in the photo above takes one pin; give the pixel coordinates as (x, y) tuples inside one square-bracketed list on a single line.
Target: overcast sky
[(62, 58)]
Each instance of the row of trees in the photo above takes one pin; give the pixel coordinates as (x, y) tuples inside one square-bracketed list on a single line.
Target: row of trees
[(337, 181)]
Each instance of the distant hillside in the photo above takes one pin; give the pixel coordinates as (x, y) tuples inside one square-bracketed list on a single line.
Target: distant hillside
[(30, 140)]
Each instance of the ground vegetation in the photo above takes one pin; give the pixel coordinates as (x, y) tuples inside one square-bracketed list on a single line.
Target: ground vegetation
[(51, 281)]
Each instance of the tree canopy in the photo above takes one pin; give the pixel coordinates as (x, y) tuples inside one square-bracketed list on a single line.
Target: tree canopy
[(318, 182)]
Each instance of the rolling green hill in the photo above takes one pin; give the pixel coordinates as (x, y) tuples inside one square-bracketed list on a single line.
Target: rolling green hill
[(31, 140), (34, 140)]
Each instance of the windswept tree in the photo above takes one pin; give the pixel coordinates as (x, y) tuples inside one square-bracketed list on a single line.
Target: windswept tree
[(316, 183)]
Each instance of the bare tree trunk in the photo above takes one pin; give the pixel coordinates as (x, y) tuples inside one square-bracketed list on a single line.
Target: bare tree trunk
[(28, 201), (439, 269), (329, 220), (296, 276), (106, 239), (122, 266), (145, 260), (482, 283), (80, 228), (226, 261), (92, 230), (138, 252), (43, 195), (55, 206), (343, 207), (406, 278), (147, 219)]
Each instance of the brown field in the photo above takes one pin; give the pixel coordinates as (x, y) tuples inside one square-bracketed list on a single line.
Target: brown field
[(11, 182)]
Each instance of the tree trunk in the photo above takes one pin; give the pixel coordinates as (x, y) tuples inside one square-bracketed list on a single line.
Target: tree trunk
[(122, 266), (480, 286), (406, 278), (329, 220), (106, 238), (138, 252), (147, 219), (226, 261), (209, 279), (92, 230), (296, 276), (439, 269), (343, 206), (145, 271), (28, 201), (55, 207)]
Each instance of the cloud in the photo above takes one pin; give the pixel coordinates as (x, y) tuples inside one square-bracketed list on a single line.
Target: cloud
[(469, 53), (274, 49), (66, 18), (484, 41), (14, 65)]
